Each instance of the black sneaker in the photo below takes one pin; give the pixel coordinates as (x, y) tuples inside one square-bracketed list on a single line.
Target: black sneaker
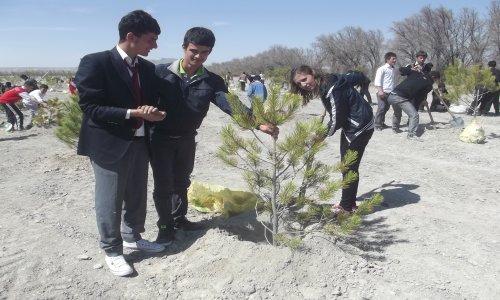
[(29, 126), (165, 236), (184, 224), (396, 130)]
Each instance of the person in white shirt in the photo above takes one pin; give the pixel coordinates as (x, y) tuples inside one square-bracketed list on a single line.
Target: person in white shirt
[(35, 100), (385, 80)]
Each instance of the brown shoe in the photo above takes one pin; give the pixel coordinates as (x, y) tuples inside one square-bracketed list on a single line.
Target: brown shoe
[(337, 210)]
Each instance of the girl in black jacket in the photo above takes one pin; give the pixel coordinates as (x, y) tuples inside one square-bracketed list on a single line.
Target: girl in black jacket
[(347, 109)]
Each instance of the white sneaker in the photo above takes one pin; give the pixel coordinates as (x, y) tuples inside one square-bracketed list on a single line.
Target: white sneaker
[(412, 137), (9, 127), (145, 246), (118, 265)]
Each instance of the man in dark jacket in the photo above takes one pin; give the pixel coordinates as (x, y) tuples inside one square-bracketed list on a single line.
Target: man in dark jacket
[(491, 97), (186, 90), (416, 85)]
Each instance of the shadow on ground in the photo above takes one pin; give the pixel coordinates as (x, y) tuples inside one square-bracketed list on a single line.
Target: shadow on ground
[(18, 138), (375, 235)]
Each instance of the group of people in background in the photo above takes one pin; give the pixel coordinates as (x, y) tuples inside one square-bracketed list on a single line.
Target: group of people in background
[(485, 98), (30, 95)]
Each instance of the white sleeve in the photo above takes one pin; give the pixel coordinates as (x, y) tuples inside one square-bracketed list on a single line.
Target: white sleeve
[(25, 96), (36, 95), (378, 78)]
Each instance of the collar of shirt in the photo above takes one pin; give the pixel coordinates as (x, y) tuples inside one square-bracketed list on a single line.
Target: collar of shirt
[(131, 62), (183, 72)]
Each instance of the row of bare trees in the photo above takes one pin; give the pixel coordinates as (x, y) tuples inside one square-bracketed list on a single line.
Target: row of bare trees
[(446, 36)]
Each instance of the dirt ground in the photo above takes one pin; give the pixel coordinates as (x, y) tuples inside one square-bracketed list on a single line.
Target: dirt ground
[(436, 236)]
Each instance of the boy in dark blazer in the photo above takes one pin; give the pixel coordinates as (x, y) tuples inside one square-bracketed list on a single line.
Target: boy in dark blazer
[(116, 89)]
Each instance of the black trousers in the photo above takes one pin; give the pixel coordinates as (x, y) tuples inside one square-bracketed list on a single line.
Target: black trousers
[(172, 162), (11, 110), (348, 200), (491, 98)]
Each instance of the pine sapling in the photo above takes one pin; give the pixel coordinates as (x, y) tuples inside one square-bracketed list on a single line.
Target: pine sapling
[(292, 183)]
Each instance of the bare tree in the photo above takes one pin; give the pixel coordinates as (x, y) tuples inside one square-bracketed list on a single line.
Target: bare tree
[(474, 36), (408, 39), (350, 48), (373, 51), (277, 56), (494, 29), (446, 38)]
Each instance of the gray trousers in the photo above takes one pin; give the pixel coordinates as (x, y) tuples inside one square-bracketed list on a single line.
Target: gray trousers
[(402, 104), (33, 107), (121, 198), (382, 108)]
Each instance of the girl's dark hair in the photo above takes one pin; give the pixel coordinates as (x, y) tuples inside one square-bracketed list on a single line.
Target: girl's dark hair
[(138, 22), (295, 89), (199, 36)]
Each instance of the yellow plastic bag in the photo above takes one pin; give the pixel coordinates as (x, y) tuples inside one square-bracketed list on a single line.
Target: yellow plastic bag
[(473, 133), (206, 197)]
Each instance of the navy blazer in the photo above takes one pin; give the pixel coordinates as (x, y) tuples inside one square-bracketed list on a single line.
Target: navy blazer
[(106, 92)]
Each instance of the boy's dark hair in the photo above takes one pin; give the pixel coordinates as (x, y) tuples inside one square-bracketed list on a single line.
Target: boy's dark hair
[(44, 86), (199, 36), (138, 22), (492, 64), (435, 74), (32, 83), (388, 55), (421, 53)]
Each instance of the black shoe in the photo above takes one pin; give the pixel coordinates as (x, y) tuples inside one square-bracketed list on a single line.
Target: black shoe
[(396, 130), (385, 126), (165, 236), (186, 225), (29, 126)]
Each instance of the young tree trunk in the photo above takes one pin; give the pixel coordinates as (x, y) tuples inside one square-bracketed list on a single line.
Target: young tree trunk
[(274, 199)]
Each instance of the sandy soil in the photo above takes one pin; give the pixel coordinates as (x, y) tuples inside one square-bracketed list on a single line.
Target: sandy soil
[(436, 236)]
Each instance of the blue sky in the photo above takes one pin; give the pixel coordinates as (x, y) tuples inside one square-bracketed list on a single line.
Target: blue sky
[(56, 33)]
